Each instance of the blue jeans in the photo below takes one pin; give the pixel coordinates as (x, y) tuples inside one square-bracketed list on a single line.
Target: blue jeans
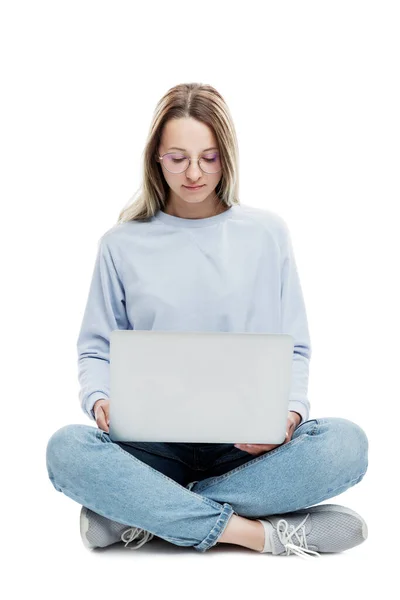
[(186, 493)]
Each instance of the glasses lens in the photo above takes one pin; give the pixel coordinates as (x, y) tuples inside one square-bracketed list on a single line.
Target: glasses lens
[(210, 163), (177, 163)]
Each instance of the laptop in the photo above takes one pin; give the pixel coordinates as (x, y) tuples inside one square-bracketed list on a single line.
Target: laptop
[(199, 387)]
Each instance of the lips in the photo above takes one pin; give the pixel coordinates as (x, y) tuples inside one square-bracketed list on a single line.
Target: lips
[(193, 187)]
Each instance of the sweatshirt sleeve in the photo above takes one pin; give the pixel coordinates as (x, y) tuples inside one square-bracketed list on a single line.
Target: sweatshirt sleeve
[(104, 312), (294, 322)]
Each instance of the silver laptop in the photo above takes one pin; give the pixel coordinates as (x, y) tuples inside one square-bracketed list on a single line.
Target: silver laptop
[(199, 387)]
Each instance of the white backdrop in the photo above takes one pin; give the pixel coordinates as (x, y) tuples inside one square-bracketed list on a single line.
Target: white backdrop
[(313, 88)]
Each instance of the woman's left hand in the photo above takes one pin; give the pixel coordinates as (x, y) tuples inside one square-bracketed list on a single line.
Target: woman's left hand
[(292, 421)]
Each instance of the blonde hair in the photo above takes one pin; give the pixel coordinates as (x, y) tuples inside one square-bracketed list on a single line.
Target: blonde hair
[(201, 102)]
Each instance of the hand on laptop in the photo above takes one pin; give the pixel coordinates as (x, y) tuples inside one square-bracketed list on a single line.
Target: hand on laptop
[(292, 421), (101, 411)]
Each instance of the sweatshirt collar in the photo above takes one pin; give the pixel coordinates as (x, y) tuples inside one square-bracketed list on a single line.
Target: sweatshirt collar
[(205, 222)]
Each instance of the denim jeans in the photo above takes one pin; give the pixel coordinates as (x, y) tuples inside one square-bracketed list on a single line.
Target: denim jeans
[(186, 493)]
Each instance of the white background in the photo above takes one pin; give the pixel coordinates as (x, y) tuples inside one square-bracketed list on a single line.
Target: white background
[(313, 88)]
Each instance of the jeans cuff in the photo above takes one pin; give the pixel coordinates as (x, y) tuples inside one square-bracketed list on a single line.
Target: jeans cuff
[(212, 538)]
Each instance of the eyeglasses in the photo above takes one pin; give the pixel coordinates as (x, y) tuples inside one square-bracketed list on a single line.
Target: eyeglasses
[(176, 162)]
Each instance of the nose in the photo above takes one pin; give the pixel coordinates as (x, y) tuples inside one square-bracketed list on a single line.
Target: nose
[(193, 172)]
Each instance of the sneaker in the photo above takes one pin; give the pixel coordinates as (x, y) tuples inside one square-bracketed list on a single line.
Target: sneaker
[(323, 528), (98, 531)]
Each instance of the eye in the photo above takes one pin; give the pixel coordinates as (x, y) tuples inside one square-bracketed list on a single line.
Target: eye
[(176, 158), (211, 158)]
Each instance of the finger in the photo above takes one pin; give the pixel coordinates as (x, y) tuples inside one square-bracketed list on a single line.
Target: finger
[(289, 435), (107, 413), (101, 420), (102, 425), (261, 446), (256, 448), (245, 448)]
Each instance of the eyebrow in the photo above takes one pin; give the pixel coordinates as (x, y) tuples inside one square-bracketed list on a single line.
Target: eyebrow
[(184, 150)]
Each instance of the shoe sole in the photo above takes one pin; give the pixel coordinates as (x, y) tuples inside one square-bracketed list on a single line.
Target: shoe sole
[(84, 527), (337, 508)]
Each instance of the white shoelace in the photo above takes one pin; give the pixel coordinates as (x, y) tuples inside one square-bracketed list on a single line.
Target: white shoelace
[(285, 537), (132, 533)]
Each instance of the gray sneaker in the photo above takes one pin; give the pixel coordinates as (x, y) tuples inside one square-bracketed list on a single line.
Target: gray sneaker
[(323, 528), (98, 531)]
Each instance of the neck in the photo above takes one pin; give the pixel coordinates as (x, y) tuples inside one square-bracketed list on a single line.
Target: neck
[(201, 210)]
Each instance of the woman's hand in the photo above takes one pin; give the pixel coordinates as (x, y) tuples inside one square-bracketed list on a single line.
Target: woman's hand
[(101, 409), (292, 421)]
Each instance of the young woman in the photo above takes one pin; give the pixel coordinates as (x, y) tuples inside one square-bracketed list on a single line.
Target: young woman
[(187, 255)]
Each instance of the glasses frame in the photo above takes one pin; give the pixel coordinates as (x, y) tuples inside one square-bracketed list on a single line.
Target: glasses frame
[(190, 162)]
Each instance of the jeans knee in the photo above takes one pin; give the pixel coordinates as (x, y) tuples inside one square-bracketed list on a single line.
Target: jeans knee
[(61, 445), (355, 441)]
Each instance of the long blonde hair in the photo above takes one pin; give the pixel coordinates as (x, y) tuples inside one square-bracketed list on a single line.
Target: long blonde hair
[(201, 102)]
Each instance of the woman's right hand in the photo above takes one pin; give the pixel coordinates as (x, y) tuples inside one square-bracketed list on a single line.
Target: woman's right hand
[(101, 409)]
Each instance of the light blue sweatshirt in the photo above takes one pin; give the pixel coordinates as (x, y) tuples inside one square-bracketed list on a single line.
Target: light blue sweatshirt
[(235, 271)]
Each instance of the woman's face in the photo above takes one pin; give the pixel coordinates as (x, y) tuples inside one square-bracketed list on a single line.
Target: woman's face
[(193, 138)]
